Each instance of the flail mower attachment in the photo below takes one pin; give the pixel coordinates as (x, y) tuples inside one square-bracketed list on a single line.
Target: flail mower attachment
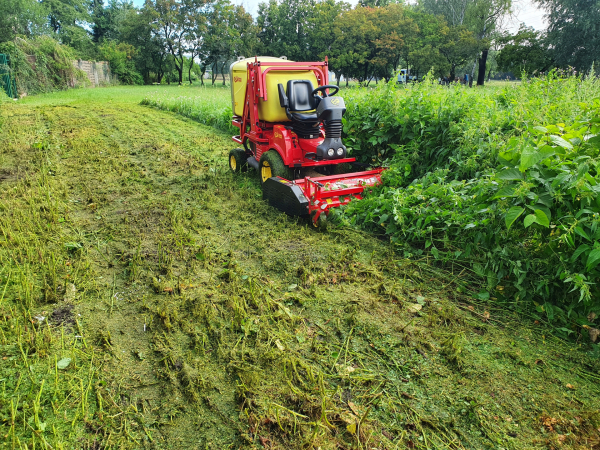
[(316, 196)]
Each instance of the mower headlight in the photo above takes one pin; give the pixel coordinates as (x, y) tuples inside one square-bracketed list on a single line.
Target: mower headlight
[(340, 151), (330, 152)]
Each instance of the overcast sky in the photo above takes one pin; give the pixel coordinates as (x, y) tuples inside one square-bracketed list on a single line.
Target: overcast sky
[(525, 11)]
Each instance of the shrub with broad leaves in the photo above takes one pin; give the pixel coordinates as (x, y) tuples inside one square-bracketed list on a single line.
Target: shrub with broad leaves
[(504, 183)]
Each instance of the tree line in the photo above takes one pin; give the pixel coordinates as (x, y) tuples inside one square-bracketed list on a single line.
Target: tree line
[(182, 40)]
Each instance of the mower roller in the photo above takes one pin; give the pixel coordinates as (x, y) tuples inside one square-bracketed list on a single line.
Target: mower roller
[(291, 132)]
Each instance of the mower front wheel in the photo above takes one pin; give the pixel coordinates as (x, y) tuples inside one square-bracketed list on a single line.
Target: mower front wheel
[(271, 165), (238, 160)]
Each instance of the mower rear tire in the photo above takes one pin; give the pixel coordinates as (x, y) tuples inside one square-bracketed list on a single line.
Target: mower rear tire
[(238, 160), (271, 165)]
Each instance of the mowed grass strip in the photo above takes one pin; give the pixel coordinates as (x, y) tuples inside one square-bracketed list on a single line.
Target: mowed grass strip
[(151, 299)]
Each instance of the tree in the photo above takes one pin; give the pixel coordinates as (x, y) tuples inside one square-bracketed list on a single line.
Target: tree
[(458, 47), (120, 57), (106, 21), (219, 42), (396, 29), (173, 21), (375, 3), (21, 17), (63, 14), (230, 34), (245, 32), (573, 31), (284, 28), (69, 20), (421, 52), (353, 48), (525, 51), (100, 20), (481, 17), (136, 29), (196, 35), (486, 17), (320, 28)]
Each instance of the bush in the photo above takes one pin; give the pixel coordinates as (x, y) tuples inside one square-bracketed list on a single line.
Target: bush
[(120, 57), (431, 126), (42, 65), (476, 180), (3, 97)]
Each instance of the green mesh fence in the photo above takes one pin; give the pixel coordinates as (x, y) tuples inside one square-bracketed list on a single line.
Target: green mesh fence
[(7, 81)]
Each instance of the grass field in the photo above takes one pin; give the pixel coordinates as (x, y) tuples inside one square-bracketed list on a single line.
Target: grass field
[(151, 299)]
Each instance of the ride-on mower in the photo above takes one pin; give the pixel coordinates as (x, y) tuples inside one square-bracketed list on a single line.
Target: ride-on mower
[(290, 123)]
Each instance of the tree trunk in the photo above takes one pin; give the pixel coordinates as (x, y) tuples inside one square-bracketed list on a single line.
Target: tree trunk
[(179, 68), (338, 75), (452, 74), (160, 72), (190, 68), (472, 73), (223, 71), (489, 75), (482, 64)]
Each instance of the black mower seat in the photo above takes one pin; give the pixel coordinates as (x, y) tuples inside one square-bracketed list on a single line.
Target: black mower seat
[(304, 117), (301, 101)]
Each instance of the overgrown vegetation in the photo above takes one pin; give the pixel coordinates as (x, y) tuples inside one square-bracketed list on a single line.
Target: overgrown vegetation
[(120, 59), (42, 65), (150, 299), (465, 165), (3, 97), (503, 183)]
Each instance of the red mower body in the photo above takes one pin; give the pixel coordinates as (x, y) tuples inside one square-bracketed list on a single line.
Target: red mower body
[(297, 154)]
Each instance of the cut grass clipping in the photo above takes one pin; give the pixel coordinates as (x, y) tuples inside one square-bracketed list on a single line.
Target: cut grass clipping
[(151, 299)]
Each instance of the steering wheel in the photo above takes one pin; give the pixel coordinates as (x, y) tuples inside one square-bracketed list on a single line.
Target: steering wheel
[(321, 89)]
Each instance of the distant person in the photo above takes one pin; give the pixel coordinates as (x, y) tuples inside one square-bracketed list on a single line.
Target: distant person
[(466, 78)]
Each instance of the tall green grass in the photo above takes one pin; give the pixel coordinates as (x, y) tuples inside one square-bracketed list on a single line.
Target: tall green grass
[(210, 105)]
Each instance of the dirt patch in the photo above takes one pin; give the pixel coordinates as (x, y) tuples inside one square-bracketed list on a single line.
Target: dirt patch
[(63, 315), (7, 176)]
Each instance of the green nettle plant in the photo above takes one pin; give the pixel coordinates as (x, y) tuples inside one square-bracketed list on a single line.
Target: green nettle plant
[(483, 181), (550, 186)]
